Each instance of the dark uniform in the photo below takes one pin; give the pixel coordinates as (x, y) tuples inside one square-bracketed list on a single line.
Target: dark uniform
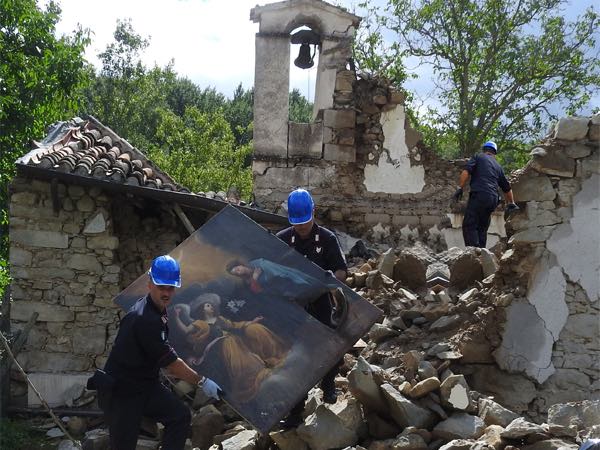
[(322, 248), (140, 350), (486, 175)]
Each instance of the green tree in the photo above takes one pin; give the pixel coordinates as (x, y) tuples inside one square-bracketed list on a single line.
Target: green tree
[(199, 151), (125, 95), (183, 93), (501, 67), (239, 113), (41, 78), (300, 107)]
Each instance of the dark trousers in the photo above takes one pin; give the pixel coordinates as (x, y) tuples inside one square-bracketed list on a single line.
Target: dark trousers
[(477, 218), (125, 412)]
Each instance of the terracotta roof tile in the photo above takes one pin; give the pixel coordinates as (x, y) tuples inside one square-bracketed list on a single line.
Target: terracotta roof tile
[(89, 149)]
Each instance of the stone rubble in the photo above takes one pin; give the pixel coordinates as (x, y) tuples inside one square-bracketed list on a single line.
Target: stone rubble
[(410, 386)]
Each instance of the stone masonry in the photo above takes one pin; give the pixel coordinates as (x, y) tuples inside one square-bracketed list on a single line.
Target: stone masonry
[(69, 265), (367, 169)]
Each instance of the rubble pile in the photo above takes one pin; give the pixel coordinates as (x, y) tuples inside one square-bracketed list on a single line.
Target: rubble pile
[(410, 384)]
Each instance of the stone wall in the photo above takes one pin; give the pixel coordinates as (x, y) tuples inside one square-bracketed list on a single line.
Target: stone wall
[(550, 273), (375, 178), (69, 264)]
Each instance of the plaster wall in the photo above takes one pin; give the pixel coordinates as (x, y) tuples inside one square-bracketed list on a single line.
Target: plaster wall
[(326, 76), (271, 102), (287, 16), (394, 173), (67, 264), (552, 332)]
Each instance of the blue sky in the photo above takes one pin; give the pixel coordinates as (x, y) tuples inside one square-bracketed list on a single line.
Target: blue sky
[(211, 41)]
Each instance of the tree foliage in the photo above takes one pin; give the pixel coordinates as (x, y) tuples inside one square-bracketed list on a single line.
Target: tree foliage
[(199, 151), (197, 136), (41, 78), (503, 69), (300, 108)]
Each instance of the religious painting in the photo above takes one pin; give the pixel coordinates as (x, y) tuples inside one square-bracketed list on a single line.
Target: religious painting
[(239, 317)]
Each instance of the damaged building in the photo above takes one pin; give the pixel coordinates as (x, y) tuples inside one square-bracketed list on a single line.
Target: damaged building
[(519, 326)]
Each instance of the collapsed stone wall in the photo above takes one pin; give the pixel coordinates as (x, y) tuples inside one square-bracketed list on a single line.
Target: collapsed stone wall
[(550, 274), (374, 177), (69, 258)]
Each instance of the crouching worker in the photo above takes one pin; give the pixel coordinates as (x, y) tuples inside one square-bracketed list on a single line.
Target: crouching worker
[(129, 387)]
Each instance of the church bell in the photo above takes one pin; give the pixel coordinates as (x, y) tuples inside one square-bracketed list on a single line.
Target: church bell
[(305, 38)]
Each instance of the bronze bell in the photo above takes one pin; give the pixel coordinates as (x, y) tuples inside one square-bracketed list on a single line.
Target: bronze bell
[(304, 59), (305, 38)]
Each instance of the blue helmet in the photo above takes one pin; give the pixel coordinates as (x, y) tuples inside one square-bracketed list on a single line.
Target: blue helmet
[(300, 207), (491, 145), (165, 271)]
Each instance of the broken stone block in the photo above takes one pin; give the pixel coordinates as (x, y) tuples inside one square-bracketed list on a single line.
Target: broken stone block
[(374, 280), (244, 440), (571, 128), (491, 437), (380, 333), (77, 426), (410, 271), (489, 264), (530, 188), (458, 444), (404, 412), (97, 439), (341, 118), (426, 369), (363, 386), (551, 444), (206, 424), (380, 428), (553, 161), (493, 413), (475, 348), (446, 323), (350, 413), (96, 224), (424, 387), (574, 415), (460, 426), (288, 440), (455, 393), (521, 428), (323, 430), (465, 269), (386, 264), (410, 441)]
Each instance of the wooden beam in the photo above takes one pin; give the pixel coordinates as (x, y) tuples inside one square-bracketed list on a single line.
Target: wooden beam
[(184, 219)]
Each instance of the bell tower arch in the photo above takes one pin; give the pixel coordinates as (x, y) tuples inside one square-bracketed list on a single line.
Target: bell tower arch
[(332, 30)]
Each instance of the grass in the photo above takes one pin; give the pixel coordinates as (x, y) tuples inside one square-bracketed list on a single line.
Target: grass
[(18, 435)]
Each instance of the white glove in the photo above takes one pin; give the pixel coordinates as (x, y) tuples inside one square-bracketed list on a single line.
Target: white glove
[(210, 388)]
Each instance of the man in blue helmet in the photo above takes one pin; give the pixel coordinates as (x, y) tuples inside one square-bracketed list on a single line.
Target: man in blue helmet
[(129, 386), (321, 246), (486, 175)]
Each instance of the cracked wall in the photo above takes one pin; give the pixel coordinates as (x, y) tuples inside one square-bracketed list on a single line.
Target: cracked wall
[(395, 173), (552, 329)]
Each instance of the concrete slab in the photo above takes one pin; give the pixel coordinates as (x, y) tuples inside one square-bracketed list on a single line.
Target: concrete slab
[(54, 387)]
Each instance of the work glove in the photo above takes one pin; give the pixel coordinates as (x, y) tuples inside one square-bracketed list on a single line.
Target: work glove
[(511, 208), (210, 388), (458, 195)]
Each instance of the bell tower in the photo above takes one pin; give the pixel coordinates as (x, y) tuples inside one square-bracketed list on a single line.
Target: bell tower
[(331, 30)]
